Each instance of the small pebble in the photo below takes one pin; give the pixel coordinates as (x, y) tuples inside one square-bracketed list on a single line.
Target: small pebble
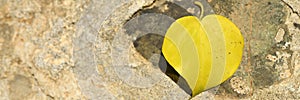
[(279, 35), (271, 58)]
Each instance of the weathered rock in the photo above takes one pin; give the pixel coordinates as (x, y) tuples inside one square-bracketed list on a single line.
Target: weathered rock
[(79, 50)]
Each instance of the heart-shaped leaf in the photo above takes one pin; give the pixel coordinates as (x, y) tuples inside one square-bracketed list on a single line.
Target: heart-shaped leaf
[(205, 53)]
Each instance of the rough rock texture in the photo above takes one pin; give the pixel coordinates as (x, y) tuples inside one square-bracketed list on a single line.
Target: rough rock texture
[(36, 49), (107, 65), (79, 50)]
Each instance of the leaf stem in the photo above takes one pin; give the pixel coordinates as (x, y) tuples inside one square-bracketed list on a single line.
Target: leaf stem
[(199, 4)]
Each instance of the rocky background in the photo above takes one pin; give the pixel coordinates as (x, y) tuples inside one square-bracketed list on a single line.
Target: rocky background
[(66, 49)]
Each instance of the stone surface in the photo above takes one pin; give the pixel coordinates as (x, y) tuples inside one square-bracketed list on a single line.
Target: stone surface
[(36, 49), (79, 50)]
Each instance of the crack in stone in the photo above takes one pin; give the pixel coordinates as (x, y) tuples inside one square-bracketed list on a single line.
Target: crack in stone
[(293, 10), (149, 5)]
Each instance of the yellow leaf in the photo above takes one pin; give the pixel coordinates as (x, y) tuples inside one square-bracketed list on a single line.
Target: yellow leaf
[(205, 53)]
